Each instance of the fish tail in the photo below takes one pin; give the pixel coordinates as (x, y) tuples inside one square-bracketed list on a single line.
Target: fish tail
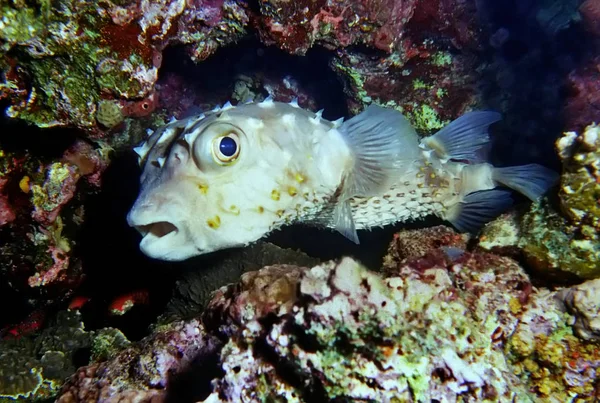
[(531, 180)]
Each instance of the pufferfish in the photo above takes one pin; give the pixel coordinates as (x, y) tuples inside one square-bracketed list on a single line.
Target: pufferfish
[(229, 177)]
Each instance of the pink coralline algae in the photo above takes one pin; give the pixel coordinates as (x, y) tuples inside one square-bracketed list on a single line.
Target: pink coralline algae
[(468, 324), (6, 212), (583, 102), (63, 61), (57, 190), (334, 24)]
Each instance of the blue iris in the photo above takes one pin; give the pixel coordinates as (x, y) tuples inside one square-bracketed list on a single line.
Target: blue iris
[(227, 146)]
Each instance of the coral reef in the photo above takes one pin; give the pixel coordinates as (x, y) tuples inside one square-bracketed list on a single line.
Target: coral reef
[(60, 63), (34, 367), (194, 288), (42, 214), (583, 103), (428, 71), (558, 238), (442, 326), (571, 243)]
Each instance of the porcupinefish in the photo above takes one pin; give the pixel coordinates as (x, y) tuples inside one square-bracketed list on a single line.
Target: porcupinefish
[(229, 177)]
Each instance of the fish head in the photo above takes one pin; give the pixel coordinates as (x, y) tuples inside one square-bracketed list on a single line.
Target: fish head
[(219, 182)]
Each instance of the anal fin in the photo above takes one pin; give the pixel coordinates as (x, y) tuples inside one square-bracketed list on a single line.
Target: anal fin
[(478, 208), (343, 221)]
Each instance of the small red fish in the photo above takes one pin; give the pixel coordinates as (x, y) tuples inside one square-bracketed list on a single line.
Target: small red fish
[(31, 324), (123, 303), (78, 302)]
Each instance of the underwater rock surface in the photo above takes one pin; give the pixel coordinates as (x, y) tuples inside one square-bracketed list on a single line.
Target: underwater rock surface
[(441, 320), (560, 240), (439, 326), (35, 368)]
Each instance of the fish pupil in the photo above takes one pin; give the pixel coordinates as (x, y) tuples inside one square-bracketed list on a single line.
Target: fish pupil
[(227, 146)]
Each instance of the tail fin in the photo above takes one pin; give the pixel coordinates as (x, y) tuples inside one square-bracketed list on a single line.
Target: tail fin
[(531, 180)]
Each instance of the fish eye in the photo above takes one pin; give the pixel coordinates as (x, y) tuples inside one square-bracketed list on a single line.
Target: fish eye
[(226, 149)]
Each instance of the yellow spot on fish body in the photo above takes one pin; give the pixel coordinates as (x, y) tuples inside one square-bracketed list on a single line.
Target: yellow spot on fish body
[(292, 191), (203, 188), (214, 223), (275, 195), (261, 209), (234, 209)]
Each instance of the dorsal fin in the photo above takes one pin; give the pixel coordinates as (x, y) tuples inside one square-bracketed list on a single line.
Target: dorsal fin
[(463, 137)]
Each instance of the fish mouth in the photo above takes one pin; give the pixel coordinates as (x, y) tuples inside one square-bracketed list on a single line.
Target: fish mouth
[(157, 237), (157, 229)]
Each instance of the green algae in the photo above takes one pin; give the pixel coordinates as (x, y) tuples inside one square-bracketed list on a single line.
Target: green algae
[(425, 118), (60, 52), (555, 247)]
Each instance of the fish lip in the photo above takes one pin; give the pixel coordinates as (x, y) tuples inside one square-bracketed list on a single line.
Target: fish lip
[(156, 238)]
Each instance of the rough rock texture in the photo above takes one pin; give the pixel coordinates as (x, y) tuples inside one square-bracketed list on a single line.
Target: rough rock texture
[(440, 326), (33, 368), (139, 373), (59, 61), (42, 213), (559, 238), (196, 286)]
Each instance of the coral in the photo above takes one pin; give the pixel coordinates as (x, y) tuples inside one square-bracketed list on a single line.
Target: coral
[(584, 303), (543, 352), (34, 367), (108, 114), (334, 24), (193, 290), (560, 242), (583, 102), (440, 326), (46, 199), (6, 212), (410, 245), (428, 85), (139, 372), (590, 14), (58, 63), (580, 181), (57, 190)]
